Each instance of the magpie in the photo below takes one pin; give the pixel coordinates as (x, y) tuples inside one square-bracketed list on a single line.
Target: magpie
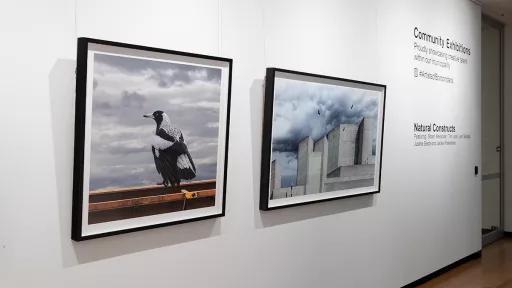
[(172, 159)]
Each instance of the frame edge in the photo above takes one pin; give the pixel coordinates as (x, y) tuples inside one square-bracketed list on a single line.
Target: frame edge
[(266, 139), (80, 111)]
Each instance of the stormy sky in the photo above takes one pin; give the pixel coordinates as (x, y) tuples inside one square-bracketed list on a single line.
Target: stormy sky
[(303, 109), (127, 88)]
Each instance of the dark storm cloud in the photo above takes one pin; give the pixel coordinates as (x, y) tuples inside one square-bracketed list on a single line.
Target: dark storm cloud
[(290, 143), (305, 110)]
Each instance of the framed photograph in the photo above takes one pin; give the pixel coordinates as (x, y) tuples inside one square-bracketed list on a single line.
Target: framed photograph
[(151, 138), (322, 138)]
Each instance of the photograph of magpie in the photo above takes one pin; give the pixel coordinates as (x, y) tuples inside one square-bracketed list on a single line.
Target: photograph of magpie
[(151, 141)]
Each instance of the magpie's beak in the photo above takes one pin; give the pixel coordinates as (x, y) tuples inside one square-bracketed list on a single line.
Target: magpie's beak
[(149, 116)]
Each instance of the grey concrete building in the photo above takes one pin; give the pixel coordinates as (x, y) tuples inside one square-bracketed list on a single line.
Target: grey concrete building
[(342, 159)]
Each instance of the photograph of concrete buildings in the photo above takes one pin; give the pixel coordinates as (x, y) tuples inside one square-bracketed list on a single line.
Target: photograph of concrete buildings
[(325, 138)]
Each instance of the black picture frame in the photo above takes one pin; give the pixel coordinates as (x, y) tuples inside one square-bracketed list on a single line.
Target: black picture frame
[(80, 126), (268, 114)]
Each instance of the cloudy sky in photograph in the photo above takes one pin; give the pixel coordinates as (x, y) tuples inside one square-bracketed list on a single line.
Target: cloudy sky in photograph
[(303, 109), (127, 88)]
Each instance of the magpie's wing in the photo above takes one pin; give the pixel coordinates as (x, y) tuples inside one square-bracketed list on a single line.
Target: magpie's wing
[(158, 164), (188, 154), (167, 161), (185, 167), (191, 161)]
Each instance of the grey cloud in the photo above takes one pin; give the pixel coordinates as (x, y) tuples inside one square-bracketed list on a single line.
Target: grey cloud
[(180, 77), (129, 109), (132, 100), (182, 73), (122, 176), (120, 149), (101, 107), (138, 174)]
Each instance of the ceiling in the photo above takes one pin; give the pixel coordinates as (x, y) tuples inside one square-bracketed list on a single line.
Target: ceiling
[(500, 9)]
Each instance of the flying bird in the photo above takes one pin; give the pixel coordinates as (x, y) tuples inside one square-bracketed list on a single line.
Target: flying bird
[(172, 159), (352, 106)]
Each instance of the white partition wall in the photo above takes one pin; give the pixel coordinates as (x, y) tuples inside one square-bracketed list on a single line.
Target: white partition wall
[(427, 215), (507, 120)]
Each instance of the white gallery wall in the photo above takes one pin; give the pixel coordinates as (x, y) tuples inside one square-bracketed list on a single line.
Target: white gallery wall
[(427, 215)]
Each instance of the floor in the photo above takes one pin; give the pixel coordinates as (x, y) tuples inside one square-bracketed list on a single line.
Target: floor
[(492, 270)]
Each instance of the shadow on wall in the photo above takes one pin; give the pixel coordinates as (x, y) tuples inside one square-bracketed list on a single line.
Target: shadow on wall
[(62, 97), (264, 219)]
